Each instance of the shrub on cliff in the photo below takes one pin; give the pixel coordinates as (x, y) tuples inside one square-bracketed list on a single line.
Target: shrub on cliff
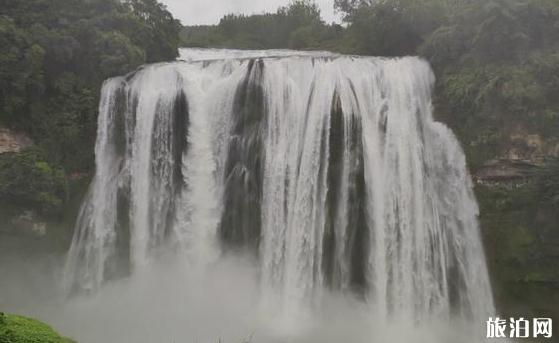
[(27, 180)]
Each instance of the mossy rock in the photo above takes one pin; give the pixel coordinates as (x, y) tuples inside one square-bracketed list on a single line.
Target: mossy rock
[(17, 329)]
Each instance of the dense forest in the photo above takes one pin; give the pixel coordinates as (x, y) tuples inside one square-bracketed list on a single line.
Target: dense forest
[(55, 56), (296, 26), (497, 67)]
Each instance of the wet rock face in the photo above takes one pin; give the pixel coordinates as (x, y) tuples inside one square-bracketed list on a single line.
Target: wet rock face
[(506, 171), (241, 219), (530, 146), (13, 142)]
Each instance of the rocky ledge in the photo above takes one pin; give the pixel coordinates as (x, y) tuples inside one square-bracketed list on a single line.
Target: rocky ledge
[(13, 142), (506, 171)]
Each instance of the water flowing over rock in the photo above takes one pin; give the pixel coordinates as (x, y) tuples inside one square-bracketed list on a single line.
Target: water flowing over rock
[(328, 169)]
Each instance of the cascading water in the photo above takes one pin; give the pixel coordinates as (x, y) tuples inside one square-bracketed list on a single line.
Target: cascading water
[(329, 169)]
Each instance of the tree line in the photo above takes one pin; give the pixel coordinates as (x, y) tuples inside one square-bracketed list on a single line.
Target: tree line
[(297, 25)]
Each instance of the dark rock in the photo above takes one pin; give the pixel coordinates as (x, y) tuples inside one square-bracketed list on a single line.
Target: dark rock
[(506, 171)]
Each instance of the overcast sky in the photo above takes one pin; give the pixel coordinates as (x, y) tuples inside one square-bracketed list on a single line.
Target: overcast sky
[(196, 12)]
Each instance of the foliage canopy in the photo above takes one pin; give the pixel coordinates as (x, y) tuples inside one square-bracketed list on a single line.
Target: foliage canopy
[(55, 55)]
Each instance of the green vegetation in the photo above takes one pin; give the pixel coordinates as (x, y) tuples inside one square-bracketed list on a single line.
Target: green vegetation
[(548, 183), (16, 329), (519, 225), (296, 26), (521, 238), (55, 56), (26, 179)]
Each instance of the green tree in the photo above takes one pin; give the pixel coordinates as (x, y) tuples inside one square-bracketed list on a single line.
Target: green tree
[(159, 34), (391, 27), (21, 74), (55, 56), (297, 25), (27, 179)]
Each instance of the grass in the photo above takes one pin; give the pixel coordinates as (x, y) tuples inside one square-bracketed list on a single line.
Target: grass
[(17, 329)]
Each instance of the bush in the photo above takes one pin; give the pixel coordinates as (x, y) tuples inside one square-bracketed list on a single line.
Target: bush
[(16, 329), (27, 180)]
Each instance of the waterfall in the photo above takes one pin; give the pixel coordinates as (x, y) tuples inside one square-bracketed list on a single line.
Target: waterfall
[(329, 170)]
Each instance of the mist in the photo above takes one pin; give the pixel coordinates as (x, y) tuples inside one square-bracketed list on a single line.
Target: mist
[(172, 301)]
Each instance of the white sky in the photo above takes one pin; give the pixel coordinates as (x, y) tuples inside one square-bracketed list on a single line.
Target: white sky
[(196, 12)]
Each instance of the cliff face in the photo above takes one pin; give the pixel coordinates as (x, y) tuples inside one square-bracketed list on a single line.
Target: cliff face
[(530, 146), (520, 228), (512, 172), (13, 142)]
